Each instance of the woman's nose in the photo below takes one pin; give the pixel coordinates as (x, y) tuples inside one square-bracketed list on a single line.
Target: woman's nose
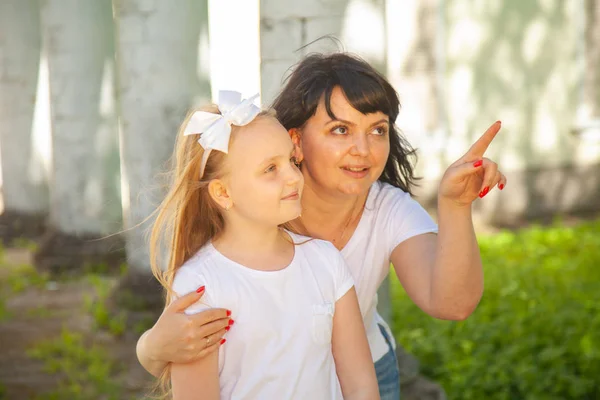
[(360, 145)]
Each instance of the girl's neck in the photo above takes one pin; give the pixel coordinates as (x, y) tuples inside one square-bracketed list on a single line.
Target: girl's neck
[(257, 247)]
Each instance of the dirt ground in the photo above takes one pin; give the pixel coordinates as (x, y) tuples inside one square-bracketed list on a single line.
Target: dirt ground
[(36, 314)]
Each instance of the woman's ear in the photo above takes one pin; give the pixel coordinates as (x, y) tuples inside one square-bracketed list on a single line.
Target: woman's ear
[(296, 136), (219, 193)]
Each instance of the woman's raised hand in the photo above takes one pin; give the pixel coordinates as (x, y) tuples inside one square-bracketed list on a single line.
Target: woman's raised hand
[(472, 176)]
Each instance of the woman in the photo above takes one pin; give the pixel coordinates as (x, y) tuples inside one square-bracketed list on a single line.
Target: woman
[(358, 175)]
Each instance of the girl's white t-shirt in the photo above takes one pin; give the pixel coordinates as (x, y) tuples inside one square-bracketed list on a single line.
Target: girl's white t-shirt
[(280, 344), (390, 217)]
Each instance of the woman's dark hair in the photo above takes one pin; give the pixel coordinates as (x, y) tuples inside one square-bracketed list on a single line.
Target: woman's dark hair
[(366, 90)]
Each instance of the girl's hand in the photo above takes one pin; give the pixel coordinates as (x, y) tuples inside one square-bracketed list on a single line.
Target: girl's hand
[(180, 338), (472, 175)]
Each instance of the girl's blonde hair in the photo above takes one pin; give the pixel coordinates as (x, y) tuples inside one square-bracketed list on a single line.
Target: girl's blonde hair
[(188, 217)]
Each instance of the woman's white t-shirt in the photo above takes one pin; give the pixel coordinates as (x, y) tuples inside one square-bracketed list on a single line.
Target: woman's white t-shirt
[(390, 217), (280, 344)]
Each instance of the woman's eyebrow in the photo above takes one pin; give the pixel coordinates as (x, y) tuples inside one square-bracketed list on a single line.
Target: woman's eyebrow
[(340, 120), (380, 121), (353, 124)]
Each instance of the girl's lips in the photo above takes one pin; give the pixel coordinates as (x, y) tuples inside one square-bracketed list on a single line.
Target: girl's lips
[(291, 196)]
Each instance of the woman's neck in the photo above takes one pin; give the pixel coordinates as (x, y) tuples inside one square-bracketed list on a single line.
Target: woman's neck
[(330, 217)]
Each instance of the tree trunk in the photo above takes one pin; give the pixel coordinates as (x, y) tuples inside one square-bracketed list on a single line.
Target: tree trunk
[(592, 57), (24, 179), (84, 192), (159, 79)]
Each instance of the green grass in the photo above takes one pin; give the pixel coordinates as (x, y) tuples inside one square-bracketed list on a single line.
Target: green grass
[(16, 280), (22, 277), (24, 243), (97, 306), (87, 370), (535, 334), (4, 313)]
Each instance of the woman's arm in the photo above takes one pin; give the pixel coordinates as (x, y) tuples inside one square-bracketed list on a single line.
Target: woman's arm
[(353, 362), (180, 338), (145, 356), (443, 274), (196, 380)]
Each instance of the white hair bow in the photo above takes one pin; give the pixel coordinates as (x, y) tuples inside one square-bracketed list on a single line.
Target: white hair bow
[(215, 129)]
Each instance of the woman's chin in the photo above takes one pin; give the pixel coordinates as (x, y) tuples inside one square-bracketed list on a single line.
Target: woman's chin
[(355, 188)]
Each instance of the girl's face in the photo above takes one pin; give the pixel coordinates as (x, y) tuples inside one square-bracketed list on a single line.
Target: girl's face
[(344, 155), (262, 179)]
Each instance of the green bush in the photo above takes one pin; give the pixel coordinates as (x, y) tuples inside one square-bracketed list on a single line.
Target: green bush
[(536, 332)]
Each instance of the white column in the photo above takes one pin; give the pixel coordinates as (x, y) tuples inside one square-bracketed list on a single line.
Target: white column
[(160, 73), (287, 26), (85, 181), (24, 173)]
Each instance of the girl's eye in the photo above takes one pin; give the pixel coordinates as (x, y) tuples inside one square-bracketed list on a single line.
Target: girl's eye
[(380, 131), (270, 168), (339, 130)]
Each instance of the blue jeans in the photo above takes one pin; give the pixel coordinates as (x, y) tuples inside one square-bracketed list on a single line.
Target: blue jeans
[(388, 373)]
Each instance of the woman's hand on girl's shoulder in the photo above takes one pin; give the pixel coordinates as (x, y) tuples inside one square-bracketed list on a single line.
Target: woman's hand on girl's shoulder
[(180, 338)]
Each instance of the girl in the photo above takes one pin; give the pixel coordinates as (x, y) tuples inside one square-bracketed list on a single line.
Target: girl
[(358, 173), (298, 331)]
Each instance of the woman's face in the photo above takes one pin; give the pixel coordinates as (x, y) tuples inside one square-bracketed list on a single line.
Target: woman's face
[(344, 155)]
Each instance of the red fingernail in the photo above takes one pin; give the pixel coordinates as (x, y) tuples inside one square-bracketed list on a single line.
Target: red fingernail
[(228, 313), (478, 163), (200, 289), (222, 341), (231, 322), (484, 192), (501, 186), (227, 328)]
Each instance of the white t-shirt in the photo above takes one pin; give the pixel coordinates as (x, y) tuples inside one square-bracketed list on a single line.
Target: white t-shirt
[(390, 217), (280, 344)]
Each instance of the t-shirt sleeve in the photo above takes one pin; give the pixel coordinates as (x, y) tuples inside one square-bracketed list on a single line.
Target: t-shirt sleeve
[(343, 278), (188, 280), (405, 218)]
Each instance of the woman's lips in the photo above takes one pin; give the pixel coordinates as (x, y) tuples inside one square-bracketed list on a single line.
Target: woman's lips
[(356, 171)]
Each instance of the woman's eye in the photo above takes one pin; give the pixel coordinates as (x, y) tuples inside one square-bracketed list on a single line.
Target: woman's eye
[(339, 130), (380, 131), (294, 161), (270, 168)]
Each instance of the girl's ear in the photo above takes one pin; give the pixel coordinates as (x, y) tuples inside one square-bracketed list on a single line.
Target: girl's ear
[(296, 136), (219, 193)]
